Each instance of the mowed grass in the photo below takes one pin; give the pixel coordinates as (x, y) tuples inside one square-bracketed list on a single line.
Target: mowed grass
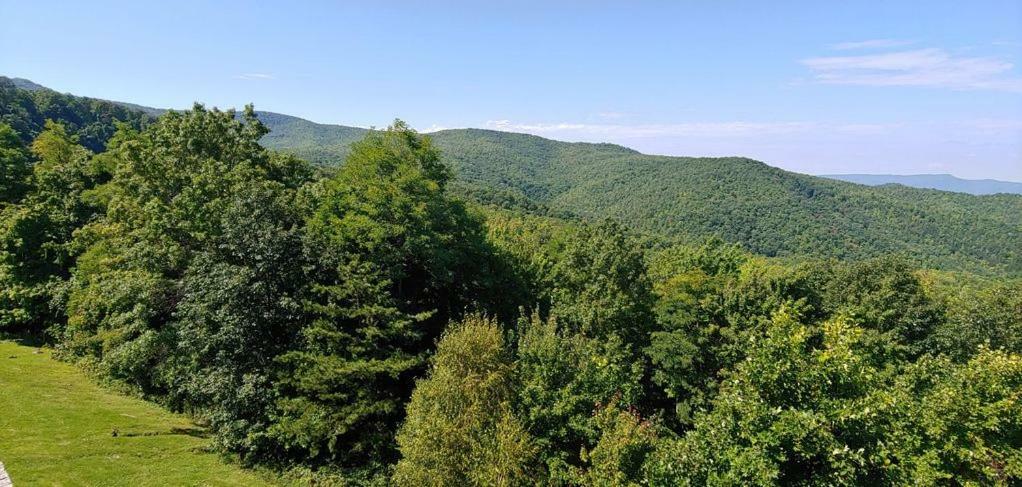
[(56, 429)]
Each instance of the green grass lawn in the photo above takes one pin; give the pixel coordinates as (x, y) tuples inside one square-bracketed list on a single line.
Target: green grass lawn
[(56, 425)]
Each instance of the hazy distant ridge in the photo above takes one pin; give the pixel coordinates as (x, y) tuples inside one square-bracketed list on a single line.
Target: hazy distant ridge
[(943, 182)]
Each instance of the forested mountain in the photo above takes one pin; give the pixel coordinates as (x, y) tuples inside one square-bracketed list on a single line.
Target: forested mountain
[(26, 106), (943, 182), (767, 210), (367, 326)]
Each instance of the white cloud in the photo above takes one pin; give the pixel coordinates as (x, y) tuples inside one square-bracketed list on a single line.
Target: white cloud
[(617, 131), (920, 67), (433, 128), (736, 129), (870, 44), (994, 125), (254, 76), (613, 115)]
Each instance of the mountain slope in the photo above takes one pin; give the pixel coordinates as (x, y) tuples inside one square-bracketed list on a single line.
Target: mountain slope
[(314, 142), (768, 210), (943, 182), (26, 106)]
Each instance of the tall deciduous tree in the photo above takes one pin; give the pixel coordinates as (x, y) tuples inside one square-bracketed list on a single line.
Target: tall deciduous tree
[(187, 287)]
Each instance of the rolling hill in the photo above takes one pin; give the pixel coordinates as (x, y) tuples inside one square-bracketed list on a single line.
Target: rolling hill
[(943, 182), (768, 210)]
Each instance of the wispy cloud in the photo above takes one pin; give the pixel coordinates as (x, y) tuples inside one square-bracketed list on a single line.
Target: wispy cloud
[(735, 129), (870, 44), (433, 128), (255, 76), (919, 67), (619, 131)]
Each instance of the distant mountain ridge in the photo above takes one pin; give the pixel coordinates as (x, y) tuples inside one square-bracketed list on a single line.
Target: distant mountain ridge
[(768, 210), (943, 182)]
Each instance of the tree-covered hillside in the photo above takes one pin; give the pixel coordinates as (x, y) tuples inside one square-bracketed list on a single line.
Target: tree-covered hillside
[(317, 143), (26, 106), (371, 328), (767, 210)]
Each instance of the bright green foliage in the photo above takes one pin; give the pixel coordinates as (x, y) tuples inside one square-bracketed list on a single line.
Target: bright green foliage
[(990, 316), (460, 428), (715, 303), (626, 440), (942, 422), (35, 232), (814, 406), (565, 376), (531, 245), (688, 284), (390, 247), (778, 419)]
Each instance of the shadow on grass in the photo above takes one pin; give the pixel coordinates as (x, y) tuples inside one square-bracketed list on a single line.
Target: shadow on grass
[(26, 339), (193, 432)]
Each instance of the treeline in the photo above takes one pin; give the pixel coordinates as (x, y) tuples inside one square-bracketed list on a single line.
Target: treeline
[(92, 121), (768, 210), (368, 328)]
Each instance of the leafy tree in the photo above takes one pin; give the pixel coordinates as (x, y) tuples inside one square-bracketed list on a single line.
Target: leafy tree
[(187, 288), (564, 377), (710, 309), (944, 423), (772, 422), (391, 251), (990, 316), (886, 296), (599, 285), (35, 233), (626, 440), (817, 405), (15, 166), (461, 428)]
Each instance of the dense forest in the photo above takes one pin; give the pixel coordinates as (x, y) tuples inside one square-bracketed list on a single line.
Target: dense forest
[(367, 326), (768, 210)]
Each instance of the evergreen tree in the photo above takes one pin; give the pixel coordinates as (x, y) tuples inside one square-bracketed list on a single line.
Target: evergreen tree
[(391, 251)]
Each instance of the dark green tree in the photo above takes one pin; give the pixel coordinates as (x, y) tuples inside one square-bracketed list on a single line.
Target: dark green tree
[(187, 288), (36, 255), (396, 259), (600, 288), (564, 378), (15, 166)]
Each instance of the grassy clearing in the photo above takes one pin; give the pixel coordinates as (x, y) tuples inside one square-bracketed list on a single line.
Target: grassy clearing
[(56, 429)]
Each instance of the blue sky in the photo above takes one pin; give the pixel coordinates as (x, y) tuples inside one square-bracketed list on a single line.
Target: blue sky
[(815, 87)]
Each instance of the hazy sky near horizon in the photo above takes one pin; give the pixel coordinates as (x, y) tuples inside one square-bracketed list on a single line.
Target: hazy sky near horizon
[(816, 87)]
